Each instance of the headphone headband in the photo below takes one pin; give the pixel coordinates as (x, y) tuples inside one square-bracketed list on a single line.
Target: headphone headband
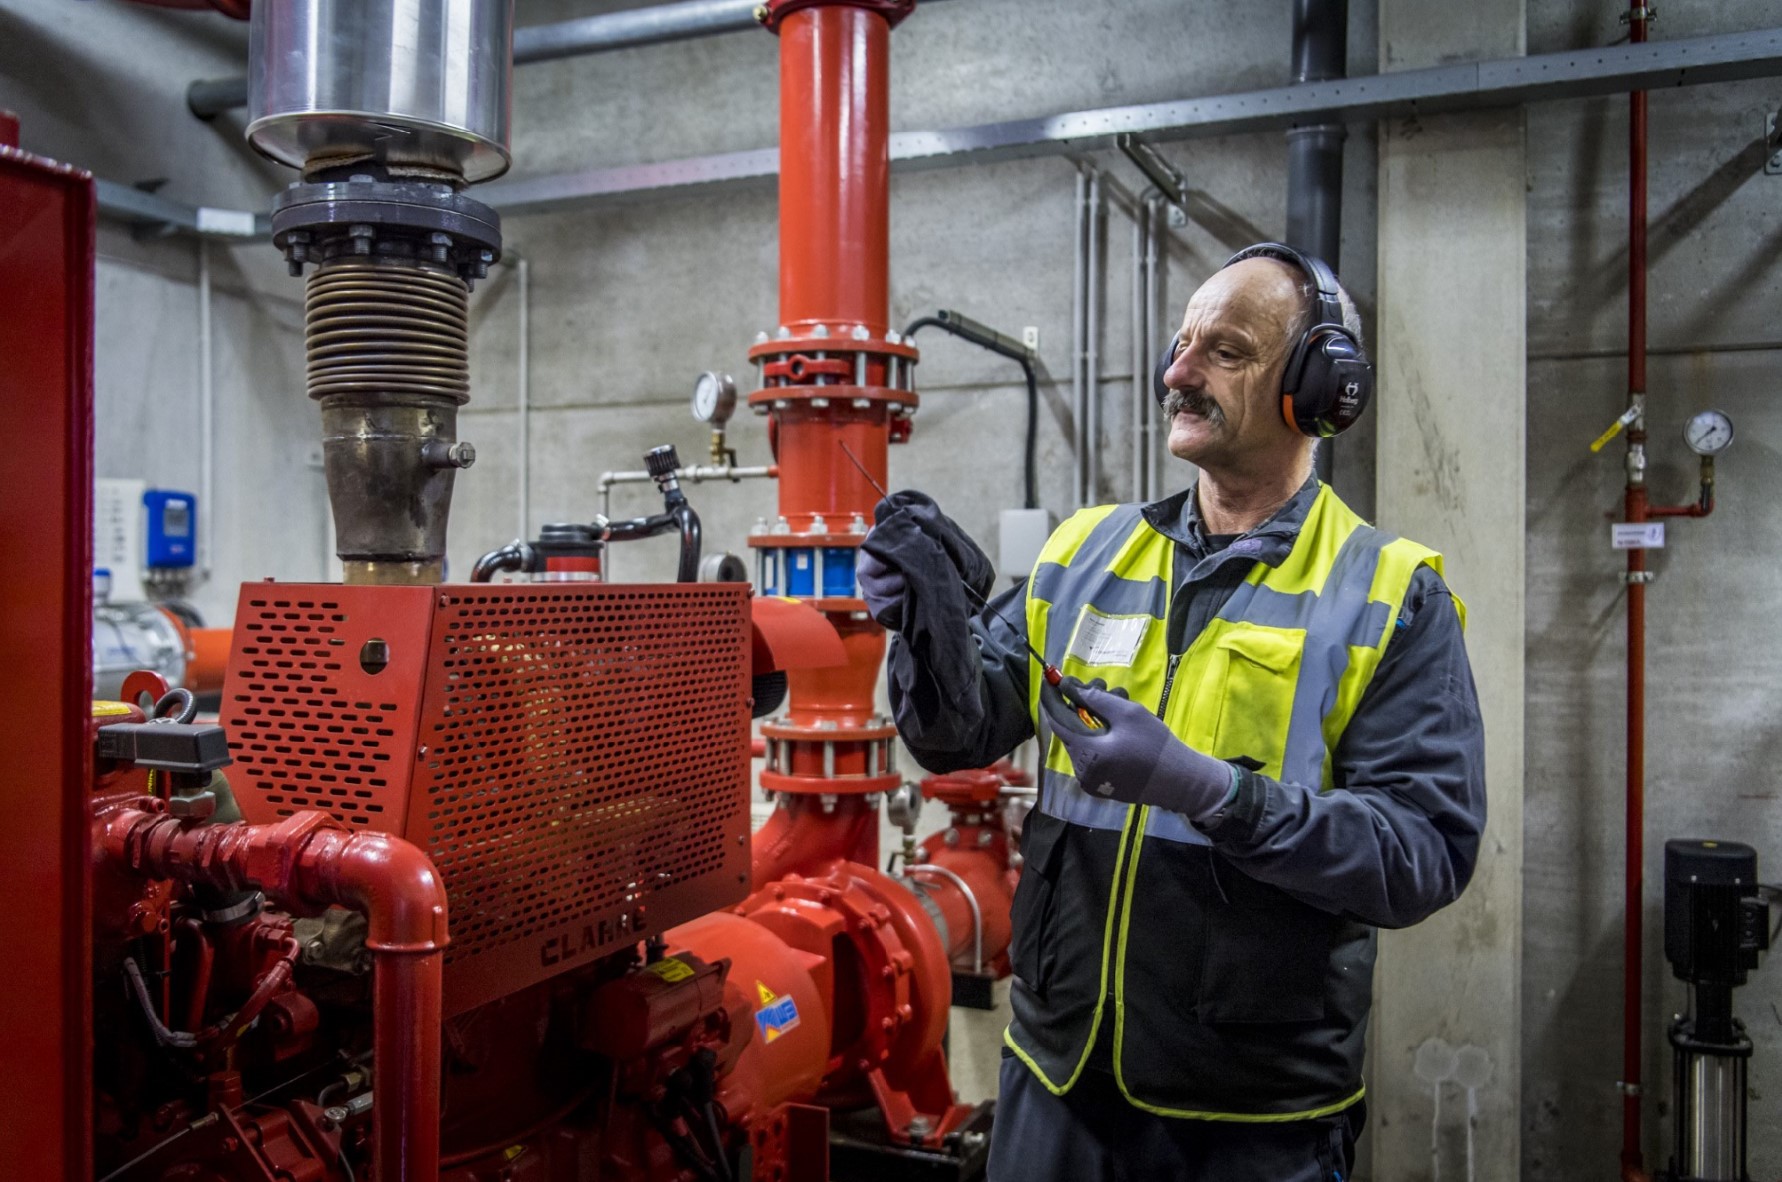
[(1330, 307)]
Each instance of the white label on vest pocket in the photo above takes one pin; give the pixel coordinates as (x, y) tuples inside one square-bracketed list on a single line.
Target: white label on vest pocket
[(1108, 640)]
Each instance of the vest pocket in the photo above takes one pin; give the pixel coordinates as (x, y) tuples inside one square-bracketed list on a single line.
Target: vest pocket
[(1266, 956), (1031, 954), (1255, 696)]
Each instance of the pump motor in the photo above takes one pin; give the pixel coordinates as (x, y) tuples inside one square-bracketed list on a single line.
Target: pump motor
[(1715, 924)]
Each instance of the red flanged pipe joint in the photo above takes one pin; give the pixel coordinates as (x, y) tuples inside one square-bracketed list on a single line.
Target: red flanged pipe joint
[(775, 11)]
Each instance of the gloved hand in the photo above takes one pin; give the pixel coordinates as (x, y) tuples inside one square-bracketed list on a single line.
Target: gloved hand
[(882, 588), (1133, 756), (914, 542)]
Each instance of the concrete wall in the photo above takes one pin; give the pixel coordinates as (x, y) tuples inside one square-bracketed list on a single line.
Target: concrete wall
[(628, 303), (1713, 658), (101, 86), (1445, 1082)]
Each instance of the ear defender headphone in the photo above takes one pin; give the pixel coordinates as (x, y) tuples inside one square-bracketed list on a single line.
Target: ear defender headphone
[(1328, 380)]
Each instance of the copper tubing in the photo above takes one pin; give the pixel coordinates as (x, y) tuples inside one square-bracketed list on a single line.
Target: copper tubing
[(305, 864), (1633, 963), (387, 327)]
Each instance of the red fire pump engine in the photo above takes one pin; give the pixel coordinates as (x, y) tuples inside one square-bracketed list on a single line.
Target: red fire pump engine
[(461, 887)]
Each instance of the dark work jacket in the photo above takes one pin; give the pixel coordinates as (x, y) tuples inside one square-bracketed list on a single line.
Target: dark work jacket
[(1260, 934)]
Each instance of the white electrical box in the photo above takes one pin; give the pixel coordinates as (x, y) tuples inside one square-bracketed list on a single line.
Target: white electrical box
[(1021, 535), (117, 536)]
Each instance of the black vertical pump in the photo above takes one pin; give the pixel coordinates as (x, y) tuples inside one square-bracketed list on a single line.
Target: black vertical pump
[(1715, 924), (1328, 380)]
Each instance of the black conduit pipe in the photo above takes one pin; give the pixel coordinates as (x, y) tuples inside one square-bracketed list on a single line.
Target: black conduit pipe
[(967, 329), (1315, 153)]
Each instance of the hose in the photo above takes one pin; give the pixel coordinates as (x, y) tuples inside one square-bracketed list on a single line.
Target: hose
[(680, 517), (188, 706), (688, 521), (967, 330), (224, 1030), (516, 555)]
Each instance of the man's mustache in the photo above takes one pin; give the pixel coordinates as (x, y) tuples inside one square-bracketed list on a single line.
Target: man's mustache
[(1193, 401)]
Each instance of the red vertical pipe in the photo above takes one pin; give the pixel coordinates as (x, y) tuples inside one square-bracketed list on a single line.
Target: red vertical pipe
[(1633, 964), (833, 408), (405, 1003), (835, 167)]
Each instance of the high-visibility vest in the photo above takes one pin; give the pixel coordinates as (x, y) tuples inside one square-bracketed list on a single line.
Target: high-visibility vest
[(1230, 999)]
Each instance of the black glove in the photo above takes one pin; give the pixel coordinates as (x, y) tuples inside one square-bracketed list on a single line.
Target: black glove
[(916, 550)]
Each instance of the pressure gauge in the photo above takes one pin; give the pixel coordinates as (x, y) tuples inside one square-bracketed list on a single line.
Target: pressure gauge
[(1708, 433), (714, 398)]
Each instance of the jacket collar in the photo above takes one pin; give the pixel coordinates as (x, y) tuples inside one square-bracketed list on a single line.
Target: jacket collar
[(1177, 517)]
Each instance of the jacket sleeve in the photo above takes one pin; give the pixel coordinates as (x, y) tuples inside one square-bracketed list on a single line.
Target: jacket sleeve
[(1398, 838), (991, 717)]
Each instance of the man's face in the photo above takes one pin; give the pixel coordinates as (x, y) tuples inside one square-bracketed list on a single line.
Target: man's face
[(1225, 382)]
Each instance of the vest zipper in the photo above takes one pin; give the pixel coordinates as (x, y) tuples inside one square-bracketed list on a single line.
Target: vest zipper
[(1169, 680)]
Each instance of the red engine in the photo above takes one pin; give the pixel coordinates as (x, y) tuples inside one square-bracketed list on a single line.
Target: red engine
[(562, 771)]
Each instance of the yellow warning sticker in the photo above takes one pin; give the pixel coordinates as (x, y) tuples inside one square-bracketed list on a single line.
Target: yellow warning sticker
[(767, 995), (671, 969)]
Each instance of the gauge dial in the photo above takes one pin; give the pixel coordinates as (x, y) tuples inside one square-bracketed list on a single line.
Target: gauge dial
[(1708, 433), (714, 398)]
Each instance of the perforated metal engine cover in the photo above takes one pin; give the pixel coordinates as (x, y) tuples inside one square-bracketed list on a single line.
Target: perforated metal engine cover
[(573, 757)]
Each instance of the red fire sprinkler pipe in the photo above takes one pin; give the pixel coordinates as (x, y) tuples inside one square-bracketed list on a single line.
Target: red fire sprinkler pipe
[(1638, 510), (836, 383), (1632, 1158), (305, 864)]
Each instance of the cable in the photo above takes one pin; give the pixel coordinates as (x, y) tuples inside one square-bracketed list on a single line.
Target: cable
[(985, 338), (1776, 902), (205, 1121), (225, 1030)]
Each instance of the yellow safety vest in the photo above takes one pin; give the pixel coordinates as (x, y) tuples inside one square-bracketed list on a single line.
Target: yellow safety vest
[(1271, 682)]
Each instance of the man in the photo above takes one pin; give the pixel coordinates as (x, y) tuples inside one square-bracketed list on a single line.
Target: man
[(1266, 747)]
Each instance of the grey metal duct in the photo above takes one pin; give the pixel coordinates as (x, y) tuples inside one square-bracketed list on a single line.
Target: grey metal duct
[(653, 25)]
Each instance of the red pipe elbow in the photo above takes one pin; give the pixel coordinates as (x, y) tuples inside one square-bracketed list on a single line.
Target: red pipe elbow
[(396, 886), (308, 862)]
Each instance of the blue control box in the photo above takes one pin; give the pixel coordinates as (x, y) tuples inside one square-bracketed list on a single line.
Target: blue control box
[(172, 528)]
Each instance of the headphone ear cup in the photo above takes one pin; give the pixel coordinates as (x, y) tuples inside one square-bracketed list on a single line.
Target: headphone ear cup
[(1160, 389), (1336, 383)]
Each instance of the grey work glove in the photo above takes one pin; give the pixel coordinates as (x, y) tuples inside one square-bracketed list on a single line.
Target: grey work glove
[(911, 564), (1133, 756)]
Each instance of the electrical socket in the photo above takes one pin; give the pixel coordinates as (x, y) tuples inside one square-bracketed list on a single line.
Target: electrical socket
[(1030, 338)]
